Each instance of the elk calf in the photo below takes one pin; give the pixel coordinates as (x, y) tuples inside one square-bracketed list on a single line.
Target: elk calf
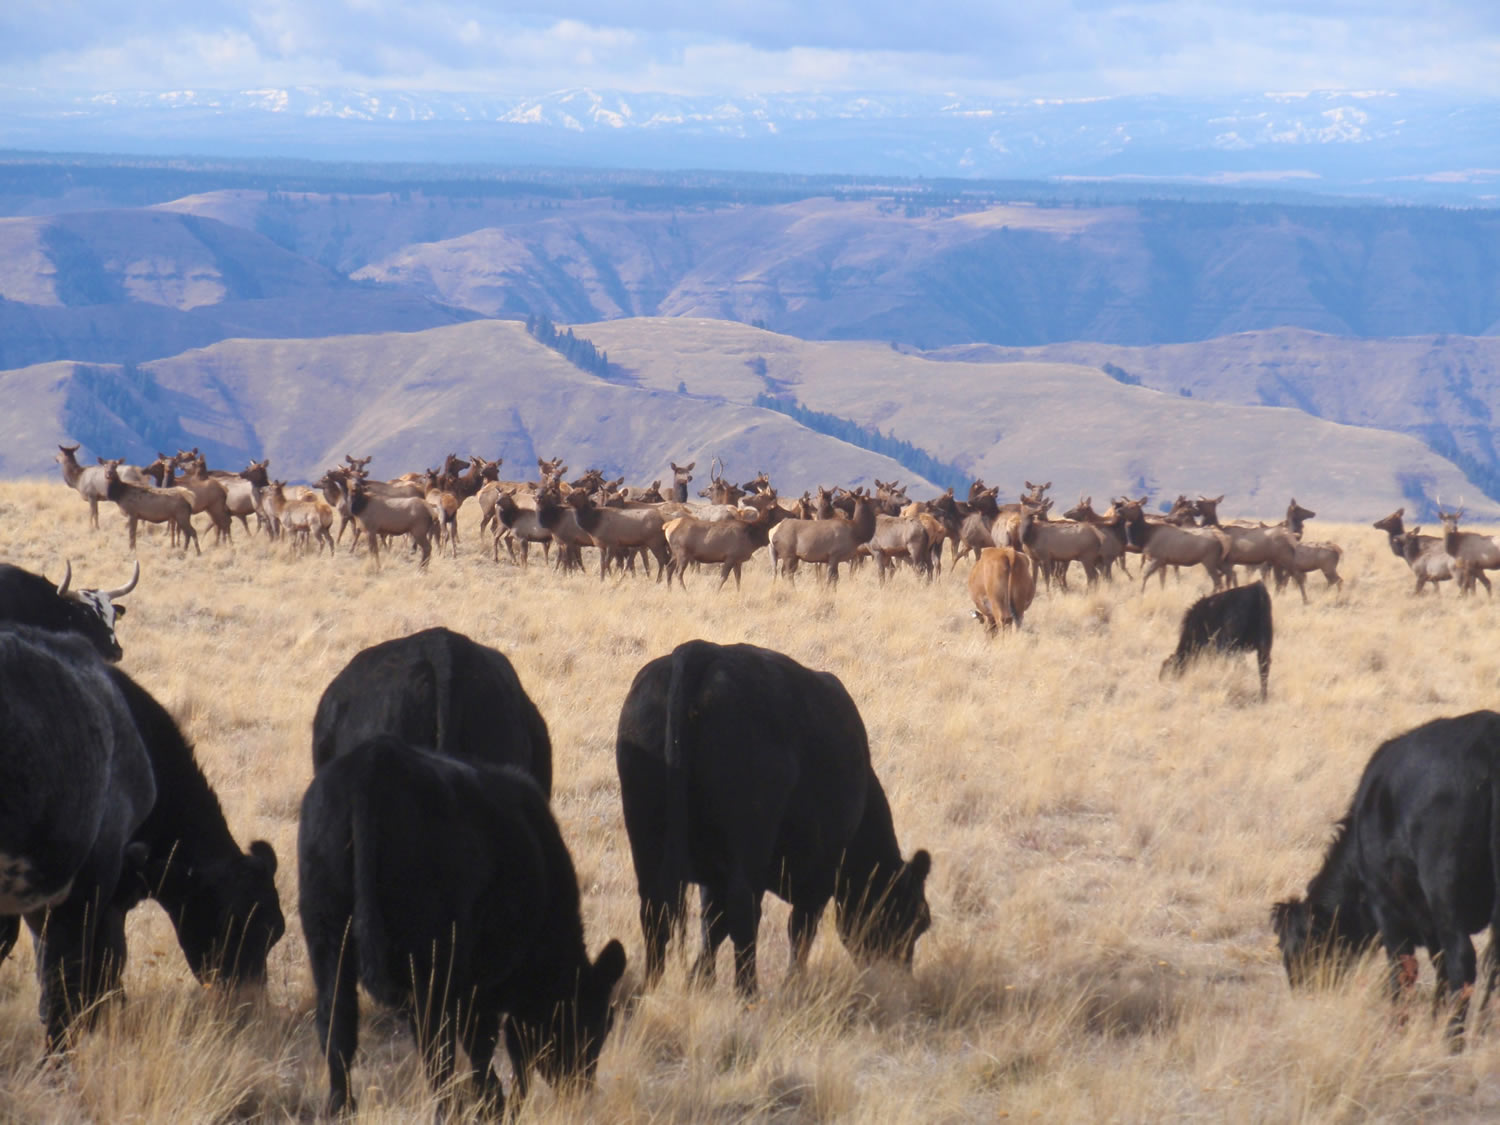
[(1236, 620)]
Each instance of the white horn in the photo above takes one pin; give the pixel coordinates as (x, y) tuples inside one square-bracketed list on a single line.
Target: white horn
[(129, 586), (62, 587)]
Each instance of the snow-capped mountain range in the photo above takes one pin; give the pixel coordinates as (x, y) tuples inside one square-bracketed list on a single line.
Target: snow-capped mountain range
[(1389, 142)]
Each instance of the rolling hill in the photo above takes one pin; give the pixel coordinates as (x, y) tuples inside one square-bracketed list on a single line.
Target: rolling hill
[(488, 387), (123, 286)]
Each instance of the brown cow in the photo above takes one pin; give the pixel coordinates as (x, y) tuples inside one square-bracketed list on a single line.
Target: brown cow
[(1002, 586)]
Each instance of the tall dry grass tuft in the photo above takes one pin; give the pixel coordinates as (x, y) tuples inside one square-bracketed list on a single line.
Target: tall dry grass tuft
[(1105, 847)]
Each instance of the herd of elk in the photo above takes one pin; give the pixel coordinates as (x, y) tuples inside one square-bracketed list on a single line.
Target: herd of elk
[(833, 528)]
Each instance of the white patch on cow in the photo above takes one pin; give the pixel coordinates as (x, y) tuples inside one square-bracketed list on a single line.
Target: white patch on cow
[(16, 894), (100, 606)]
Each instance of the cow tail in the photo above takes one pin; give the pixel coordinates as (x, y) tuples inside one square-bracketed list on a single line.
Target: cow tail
[(368, 923), (687, 662), (1492, 954)]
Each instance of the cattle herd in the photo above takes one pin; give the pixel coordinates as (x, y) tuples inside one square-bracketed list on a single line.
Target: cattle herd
[(431, 870)]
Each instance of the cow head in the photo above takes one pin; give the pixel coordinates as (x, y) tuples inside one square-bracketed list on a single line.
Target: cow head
[(226, 913), (565, 1047), (96, 611), (885, 922), (1318, 944)]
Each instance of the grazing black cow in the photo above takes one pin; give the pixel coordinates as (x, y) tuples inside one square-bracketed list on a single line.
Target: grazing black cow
[(75, 783), (742, 771), (1237, 620), (1413, 863), (222, 901), (446, 889), (30, 599), (440, 690)]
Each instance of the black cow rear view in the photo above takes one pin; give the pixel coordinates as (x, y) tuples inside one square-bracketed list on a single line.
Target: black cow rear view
[(440, 690), (445, 888), (1237, 620), (744, 772), (1414, 863)]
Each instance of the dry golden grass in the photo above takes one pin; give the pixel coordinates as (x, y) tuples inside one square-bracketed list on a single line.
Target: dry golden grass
[(1106, 847)]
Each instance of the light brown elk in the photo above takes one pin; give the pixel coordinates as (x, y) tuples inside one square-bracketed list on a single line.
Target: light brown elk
[(562, 522), (1253, 546), (682, 475), (729, 544), (822, 541), (1424, 554), (1164, 544), (1002, 587), (88, 481), (1112, 546), (444, 505), (1308, 557), (516, 523), (1054, 544), (186, 471), (303, 519), (1471, 552), (171, 506), (392, 515), (620, 532), (900, 537)]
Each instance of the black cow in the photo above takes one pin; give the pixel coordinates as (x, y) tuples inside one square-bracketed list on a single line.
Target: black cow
[(1237, 620), (445, 888), (1413, 863), (440, 690), (742, 771), (30, 599), (75, 783), (222, 901)]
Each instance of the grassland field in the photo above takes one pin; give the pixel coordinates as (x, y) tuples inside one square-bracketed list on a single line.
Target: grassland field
[(1105, 846)]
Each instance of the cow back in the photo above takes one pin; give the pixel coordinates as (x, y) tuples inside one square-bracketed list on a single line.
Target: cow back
[(439, 690)]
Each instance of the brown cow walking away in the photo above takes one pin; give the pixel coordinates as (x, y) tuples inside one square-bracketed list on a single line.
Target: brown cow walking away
[(1002, 586)]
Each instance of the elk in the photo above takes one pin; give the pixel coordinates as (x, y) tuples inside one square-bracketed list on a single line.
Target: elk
[(392, 515), (1112, 545), (822, 541), (444, 505), (304, 518), (1424, 554), (1055, 544), (208, 494), (1002, 587), (681, 476), (154, 505), (1164, 544), (561, 521), (517, 524), (1253, 546), (900, 537), (620, 532), (727, 543), (1471, 552), (88, 482), (1308, 557)]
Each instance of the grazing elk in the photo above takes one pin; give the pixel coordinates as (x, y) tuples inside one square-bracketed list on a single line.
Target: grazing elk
[(445, 888), (1471, 552), (154, 505), (1412, 865), (1002, 587), (744, 772), (831, 541), (1424, 554), (1237, 620)]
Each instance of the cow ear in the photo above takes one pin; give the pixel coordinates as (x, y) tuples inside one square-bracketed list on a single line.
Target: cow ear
[(265, 853), (119, 611), (609, 967), (919, 866)]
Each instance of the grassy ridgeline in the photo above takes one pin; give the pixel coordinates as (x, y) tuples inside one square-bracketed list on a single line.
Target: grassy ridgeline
[(1106, 847)]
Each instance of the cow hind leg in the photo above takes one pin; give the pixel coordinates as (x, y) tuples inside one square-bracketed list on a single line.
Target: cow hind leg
[(481, 1034), (1263, 664), (801, 928), (334, 968), (743, 911), (715, 928), (661, 916)]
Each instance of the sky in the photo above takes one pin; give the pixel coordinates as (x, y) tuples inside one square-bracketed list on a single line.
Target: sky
[(1037, 48)]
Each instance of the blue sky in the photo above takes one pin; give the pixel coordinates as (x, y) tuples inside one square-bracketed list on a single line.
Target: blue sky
[(1046, 48)]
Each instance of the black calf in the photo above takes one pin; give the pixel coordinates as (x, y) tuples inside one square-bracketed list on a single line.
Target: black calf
[(1237, 620)]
